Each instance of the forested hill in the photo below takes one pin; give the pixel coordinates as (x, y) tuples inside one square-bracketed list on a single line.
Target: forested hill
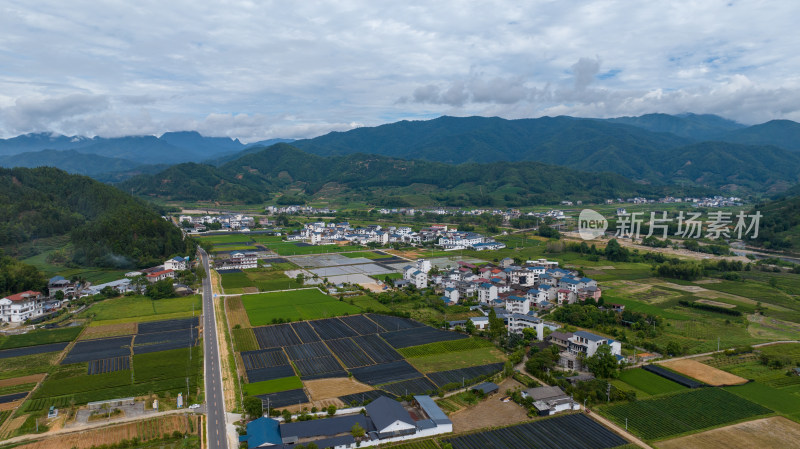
[(106, 226), (295, 176), (698, 150), (780, 225)]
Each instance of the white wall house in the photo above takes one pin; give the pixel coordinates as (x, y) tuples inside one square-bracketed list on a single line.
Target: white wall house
[(487, 293), (22, 306), (517, 322), (176, 264), (518, 304)]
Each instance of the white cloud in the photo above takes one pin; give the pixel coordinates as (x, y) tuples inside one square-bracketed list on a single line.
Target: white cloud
[(266, 69)]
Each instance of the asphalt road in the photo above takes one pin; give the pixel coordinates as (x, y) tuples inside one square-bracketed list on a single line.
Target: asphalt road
[(215, 400)]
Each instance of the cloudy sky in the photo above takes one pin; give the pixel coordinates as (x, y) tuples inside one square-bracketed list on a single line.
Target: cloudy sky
[(260, 69)]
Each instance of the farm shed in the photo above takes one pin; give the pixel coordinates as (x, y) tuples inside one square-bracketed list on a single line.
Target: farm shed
[(487, 388)]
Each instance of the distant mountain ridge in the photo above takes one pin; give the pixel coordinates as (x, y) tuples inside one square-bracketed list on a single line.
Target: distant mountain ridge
[(169, 148), (691, 149)]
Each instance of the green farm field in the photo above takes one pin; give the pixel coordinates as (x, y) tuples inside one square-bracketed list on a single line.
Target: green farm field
[(272, 386), (684, 412), (225, 238), (295, 305), (457, 359), (162, 373), (290, 249), (40, 337), (648, 382), (785, 401), (27, 364), (443, 347), (127, 309)]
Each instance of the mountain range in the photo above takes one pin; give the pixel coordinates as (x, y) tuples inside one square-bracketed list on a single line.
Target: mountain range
[(691, 150), (290, 176)]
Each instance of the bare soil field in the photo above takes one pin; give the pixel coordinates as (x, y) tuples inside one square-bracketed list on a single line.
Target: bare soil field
[(768, 433), (331, 388), (373, 287), (33, 378), (11, 405), (490, 412), (704, 373), (250, 289), (708, 281), (236, 312), (413, 255), (109, 330), (716, 303), (144, 430)]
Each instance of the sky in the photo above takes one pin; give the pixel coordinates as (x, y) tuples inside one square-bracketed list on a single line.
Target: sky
[(257, 70)]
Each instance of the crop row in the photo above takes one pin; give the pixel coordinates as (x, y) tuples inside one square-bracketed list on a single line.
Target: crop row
[(669, 415)]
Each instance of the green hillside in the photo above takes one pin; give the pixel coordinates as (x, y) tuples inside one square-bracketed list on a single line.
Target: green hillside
[(284, 170), (106, 227)]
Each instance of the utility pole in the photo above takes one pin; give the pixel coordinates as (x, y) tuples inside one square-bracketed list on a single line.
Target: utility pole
[(717, 344), (608, 392)]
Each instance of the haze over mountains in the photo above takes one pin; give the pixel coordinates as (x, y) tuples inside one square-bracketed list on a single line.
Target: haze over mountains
[(691, 150)]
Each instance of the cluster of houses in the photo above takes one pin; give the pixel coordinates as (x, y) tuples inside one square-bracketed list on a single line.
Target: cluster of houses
[(534, 285), (297, 209), (320, 233), (27, 305), (229, 222), (384, 421)]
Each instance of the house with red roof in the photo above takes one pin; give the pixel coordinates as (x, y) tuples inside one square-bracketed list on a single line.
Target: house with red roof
[(21, 306), (160, 275)]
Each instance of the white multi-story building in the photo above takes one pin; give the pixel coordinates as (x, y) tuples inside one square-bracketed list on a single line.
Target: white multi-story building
[(518, 304), (176, 264), (517, 322), (22, 306), (487, 293)]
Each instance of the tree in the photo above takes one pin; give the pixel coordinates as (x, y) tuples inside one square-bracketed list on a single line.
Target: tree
[(615, 252), (60, 295), (300, 278), (603, 363), (496, 325), (470, 327), (331, 410), (357, 431), (253, 406), (287, 416), (159, 289)]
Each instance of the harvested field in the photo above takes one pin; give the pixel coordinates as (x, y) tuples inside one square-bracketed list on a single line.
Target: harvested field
[(236, 312), (144, 430), (704, 373), (109, 330), (491, 412), (33, 378), (332, 388), (768, 433)]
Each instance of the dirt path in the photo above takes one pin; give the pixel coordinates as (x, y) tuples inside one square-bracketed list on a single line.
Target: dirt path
[(84, 427), (618, 430)]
